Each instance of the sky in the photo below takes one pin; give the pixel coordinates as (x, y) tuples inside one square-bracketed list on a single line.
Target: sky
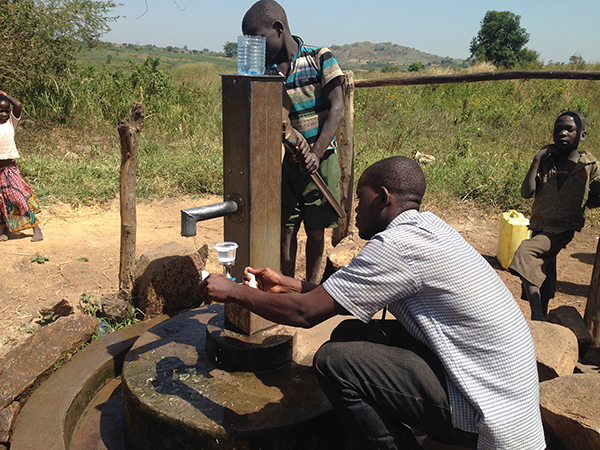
[(558, 29)]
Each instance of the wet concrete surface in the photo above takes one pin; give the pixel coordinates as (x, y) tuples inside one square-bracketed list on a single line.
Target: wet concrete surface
[(176, 396)]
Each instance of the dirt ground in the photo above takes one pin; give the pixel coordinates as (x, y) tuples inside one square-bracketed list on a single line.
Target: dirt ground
[(80, 254)]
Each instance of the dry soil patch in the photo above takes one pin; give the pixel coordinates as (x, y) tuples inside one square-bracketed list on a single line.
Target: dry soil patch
[(80, 253)]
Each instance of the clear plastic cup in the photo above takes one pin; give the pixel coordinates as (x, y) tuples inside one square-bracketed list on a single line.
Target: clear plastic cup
[(226, 253)]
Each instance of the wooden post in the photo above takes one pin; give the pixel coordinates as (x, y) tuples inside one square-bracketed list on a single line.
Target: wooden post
[(129, 132), (345, 140), (592, 308)]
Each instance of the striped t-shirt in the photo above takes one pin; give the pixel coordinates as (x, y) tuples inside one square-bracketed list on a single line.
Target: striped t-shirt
[(8, 149), (310, 71), (448, 297)]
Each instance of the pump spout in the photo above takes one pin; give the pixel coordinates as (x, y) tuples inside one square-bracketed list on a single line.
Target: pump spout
[(189, 217)]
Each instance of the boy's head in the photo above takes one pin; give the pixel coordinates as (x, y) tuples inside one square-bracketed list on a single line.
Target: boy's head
[(400, 177), (569, 131), (267, 18), (5, 108)]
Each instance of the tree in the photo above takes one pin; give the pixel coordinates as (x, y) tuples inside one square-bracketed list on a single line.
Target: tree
[(501, 40), (40, 38), (577, 61), (390, 68), (230, 49), (416, 67)]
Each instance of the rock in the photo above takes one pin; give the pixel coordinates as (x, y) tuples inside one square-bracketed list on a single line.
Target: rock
[(30, 362), (555, 348), (166, 279), (592, 357), (342, 254), (61, 309), (8, 416), (569, 317), (570, 406), (424, 158), (114, 307), (586, 368)]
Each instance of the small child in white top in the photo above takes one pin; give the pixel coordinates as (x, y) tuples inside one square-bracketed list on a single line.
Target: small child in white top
[(18, 205)]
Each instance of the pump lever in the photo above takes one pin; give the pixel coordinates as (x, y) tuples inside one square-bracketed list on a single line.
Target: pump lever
[(290, 142)]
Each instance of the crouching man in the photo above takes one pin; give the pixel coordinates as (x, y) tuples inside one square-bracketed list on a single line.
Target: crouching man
[(458, 361)]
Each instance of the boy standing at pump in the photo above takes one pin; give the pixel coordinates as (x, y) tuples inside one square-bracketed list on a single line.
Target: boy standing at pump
[(313, 82), (564, 181)]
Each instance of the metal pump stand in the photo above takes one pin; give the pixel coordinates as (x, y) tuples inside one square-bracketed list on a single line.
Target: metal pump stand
[(252, 150)]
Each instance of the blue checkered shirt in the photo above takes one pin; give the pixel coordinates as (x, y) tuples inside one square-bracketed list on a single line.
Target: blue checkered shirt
[(448, 297)]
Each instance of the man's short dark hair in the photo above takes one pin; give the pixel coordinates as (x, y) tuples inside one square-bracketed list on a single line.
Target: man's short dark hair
[(264, 13), (402, 176)]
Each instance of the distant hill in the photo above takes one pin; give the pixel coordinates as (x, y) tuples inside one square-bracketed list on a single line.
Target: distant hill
[(367, 54), (357, 56)]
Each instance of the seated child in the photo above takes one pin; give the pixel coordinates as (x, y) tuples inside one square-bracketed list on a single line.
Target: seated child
[(565, 181)]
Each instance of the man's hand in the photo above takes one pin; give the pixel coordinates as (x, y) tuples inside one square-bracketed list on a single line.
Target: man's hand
[(267, 279), (217, 288)]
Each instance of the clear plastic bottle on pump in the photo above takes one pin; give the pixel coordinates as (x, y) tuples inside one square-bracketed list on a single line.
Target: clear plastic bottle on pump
[(251, 55)]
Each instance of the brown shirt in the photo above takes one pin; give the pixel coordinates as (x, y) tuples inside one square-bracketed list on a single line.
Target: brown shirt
[(555, 211)]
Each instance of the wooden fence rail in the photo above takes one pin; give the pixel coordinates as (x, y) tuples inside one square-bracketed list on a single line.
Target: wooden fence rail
[(481, 76), (346, 149)]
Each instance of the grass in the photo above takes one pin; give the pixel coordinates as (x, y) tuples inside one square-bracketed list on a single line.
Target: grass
[(483, 135)]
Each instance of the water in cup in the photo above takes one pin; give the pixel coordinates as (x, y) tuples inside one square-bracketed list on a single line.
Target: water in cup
[(226, 253), (251, 55)]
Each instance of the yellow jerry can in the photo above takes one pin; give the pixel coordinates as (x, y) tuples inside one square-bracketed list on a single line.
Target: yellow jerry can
[(513, 230)]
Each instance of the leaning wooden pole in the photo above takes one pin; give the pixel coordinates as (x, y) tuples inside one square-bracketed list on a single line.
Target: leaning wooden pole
[(592, 308), (129, 132), (345, 139)]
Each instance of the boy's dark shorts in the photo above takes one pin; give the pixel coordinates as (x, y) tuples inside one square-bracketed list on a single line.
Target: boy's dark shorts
[(535, 260), (301, 199)]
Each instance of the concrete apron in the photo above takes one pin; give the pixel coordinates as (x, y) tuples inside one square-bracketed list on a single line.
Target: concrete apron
[(175, 396)]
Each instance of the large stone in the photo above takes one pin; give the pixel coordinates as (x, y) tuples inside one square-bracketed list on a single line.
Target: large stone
[(592, 357), (166, 279), (8, 416), (570, 408), (24, 365), (555, 348), (342, 254), (569, 317)]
